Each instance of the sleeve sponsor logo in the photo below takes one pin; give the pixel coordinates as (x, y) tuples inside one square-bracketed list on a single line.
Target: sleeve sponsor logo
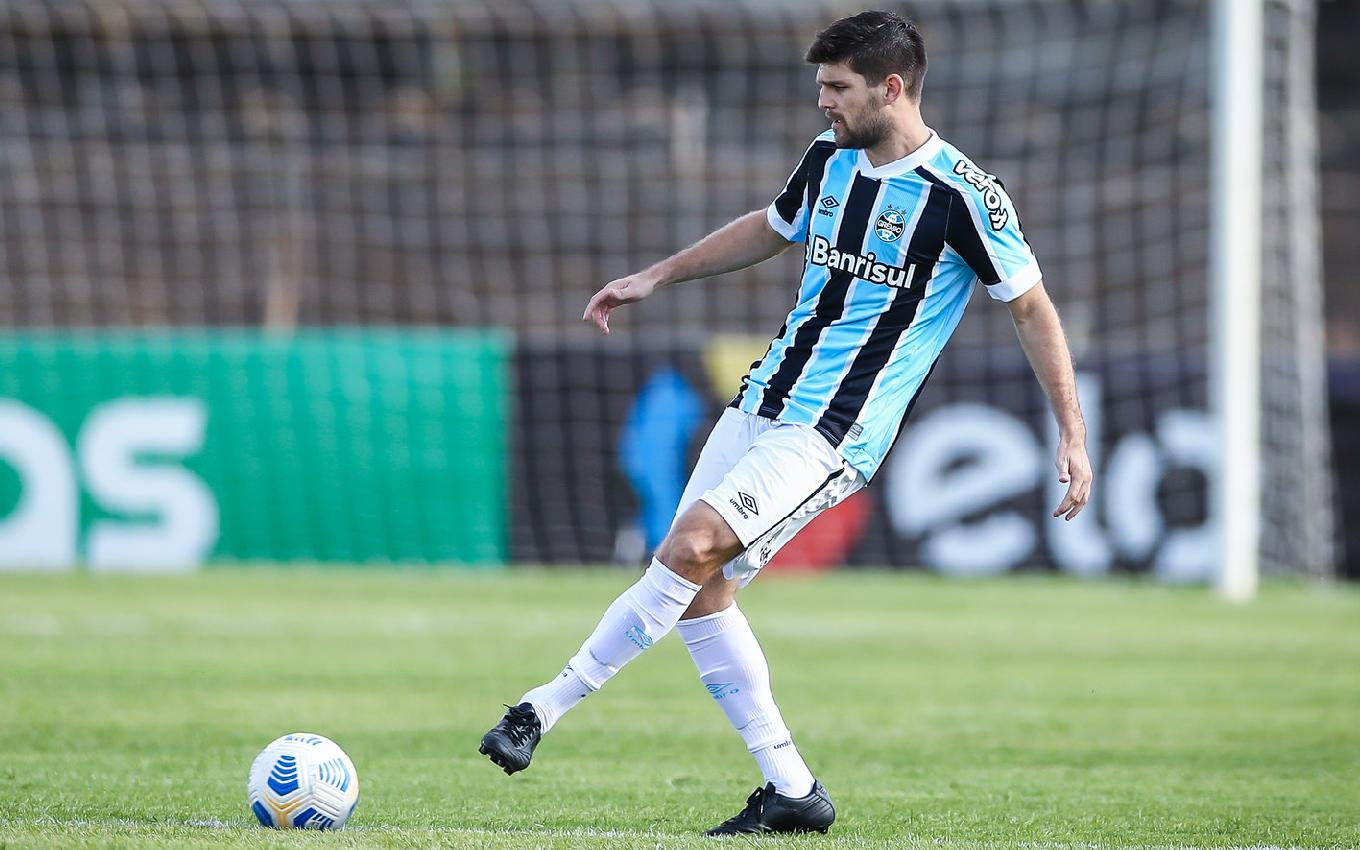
[(820, 252), (986, 184)]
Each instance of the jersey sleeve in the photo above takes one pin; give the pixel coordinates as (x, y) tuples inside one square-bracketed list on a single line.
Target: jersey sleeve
[(985, 231), (788, 213)]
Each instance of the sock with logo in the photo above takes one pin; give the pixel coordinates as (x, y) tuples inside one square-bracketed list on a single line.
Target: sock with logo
[(641, 616), (734, 670)]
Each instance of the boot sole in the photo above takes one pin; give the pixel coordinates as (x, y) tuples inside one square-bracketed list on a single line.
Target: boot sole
[(499, 759), (801, 831)]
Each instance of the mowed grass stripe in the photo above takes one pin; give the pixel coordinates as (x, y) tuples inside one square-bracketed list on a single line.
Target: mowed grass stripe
[(1024, 712), (456, 836)]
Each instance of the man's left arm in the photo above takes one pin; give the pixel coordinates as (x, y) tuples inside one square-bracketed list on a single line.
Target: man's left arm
[(1041, 336), (986, 235)]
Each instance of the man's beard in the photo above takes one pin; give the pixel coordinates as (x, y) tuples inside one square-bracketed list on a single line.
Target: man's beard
[(876, 129)]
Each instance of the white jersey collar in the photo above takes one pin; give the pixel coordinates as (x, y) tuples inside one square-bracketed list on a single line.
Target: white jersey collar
[(903, 165)]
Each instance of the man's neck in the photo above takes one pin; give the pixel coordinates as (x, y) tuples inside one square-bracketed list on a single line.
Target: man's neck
[(904, 142)]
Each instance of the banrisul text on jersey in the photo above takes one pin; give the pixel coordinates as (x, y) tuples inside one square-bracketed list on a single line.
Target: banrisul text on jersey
[(820, 252)]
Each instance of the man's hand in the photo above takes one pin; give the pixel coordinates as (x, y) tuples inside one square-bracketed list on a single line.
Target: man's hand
[(616, 293), (1074, 470)]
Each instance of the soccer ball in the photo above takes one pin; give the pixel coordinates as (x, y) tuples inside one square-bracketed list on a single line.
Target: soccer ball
[(303, 781)]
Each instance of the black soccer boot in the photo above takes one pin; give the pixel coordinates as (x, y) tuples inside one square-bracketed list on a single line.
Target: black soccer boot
[(510, 743), (768, 811)]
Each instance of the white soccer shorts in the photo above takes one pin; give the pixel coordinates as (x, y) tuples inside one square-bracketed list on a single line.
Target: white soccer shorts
[(767, 479)]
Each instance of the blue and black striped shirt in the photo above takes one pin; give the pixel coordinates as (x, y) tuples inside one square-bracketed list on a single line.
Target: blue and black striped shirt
[(891, 255)]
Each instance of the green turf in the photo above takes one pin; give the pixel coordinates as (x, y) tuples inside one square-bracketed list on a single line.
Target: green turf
[(1027, 712)]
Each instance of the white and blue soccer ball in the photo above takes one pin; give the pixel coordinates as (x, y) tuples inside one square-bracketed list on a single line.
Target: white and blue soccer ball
[(303, 781)]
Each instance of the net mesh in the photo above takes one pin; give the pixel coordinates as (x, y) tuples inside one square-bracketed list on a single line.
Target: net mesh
[(286, 163)]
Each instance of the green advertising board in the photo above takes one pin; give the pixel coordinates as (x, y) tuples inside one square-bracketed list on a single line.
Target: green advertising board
[(164, 450)]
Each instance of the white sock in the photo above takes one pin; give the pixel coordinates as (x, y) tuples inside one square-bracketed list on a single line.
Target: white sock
[(553, 699), (642, 615), (735, 672)]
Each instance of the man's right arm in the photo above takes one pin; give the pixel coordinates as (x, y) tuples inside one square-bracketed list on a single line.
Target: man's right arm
[(744, 242)]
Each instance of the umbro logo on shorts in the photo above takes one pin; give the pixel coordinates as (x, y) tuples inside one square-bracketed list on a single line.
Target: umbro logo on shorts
[(746, 507)]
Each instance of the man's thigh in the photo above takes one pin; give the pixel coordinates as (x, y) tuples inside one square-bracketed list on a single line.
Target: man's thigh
[(732, 435), (758, 553), (765, 480), (782, 471)]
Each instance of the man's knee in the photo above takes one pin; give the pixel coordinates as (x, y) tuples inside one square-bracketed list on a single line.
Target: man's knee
[(688, 550), (699, 544)]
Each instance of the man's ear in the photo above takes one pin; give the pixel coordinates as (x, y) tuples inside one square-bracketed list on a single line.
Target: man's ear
[(894, 87)]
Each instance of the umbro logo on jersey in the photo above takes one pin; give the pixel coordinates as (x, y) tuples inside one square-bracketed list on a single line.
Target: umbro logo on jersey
[(821, 253), (991, 193), (826, 205)]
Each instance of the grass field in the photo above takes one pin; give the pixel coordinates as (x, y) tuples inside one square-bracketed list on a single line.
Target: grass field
[(1031, 712)]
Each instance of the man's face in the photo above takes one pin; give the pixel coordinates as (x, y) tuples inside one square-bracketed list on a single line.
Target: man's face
[(857, 112)]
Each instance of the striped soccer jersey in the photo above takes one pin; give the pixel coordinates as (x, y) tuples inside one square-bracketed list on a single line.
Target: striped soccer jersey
[(891, 255)]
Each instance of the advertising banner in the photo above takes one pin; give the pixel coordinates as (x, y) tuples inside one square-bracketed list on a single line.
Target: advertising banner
[(606, 436), (165, 450)]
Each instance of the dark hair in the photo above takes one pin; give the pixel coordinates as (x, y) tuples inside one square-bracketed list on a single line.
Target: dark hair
[(874, 44)]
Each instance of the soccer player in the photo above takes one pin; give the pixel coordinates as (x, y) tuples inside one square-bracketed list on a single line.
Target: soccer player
[(897, 226)]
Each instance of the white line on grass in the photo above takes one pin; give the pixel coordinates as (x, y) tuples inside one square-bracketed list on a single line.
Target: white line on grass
[(151, 825), (587, 832)]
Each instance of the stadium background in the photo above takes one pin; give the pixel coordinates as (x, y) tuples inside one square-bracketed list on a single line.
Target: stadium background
[(299, 430), (298, 281)]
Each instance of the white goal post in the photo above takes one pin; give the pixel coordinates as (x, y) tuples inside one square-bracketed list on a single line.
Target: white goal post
[(1246, 191), (1235, 288)]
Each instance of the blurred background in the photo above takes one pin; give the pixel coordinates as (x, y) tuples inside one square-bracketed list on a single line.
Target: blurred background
[(299, 281)]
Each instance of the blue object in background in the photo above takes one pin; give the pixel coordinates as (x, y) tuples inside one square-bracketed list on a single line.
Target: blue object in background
[(653, 446)]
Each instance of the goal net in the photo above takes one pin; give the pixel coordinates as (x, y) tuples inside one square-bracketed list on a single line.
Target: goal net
[(357, 237)]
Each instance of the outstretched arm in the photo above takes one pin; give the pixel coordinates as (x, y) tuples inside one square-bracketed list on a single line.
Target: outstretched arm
[(1041, 336), (736, 245)]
